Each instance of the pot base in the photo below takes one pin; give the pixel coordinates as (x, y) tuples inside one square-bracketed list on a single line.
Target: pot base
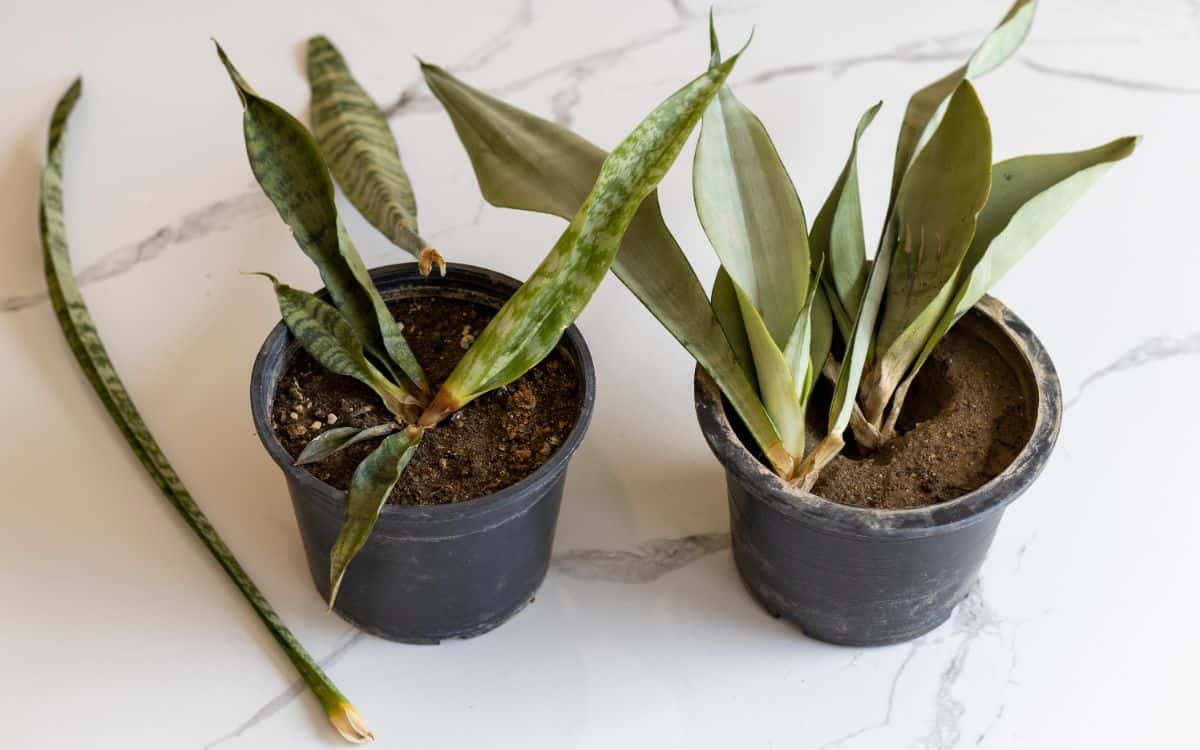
[(460, 635)]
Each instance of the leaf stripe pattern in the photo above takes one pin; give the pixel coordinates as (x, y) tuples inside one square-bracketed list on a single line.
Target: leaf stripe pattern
[(85, 343), (358, 145)]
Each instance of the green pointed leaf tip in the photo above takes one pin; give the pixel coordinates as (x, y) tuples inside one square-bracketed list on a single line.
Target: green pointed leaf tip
[(288, 165), (333, 440), (356, 142), (527, 162), (370, 486), (531, 322), (88, 349)]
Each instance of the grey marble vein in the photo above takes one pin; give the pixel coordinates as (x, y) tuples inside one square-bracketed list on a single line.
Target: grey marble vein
[(1130, 84), (347, 641), (1153, 349), (214, 217), (914, 51), (646, 563), (886, 719)]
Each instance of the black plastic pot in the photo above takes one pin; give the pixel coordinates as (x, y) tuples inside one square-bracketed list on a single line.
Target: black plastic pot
[(432, 572), (862, 577)]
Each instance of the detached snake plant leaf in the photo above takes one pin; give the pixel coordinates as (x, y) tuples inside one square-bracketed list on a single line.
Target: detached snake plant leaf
[(935, 215), (333, 440), (927, 106), (370, 486), (837, 237), (532, 321), (288, 165), (527, 162), (89, 351), (1029, 195), (331, 340), (358, 146)]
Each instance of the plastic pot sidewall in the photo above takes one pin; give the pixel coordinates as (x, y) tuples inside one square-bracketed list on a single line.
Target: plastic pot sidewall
[(861, 576), (428, 573)]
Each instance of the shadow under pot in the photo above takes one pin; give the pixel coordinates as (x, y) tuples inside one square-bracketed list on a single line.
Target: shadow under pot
[(431, 572), (862, 576)]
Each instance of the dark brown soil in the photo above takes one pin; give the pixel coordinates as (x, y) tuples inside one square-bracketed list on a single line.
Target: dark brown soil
[(964, 421), (496, 440)]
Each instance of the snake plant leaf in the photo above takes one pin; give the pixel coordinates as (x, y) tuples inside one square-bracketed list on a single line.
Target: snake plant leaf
[(750, 211), (1029, 195), (288, 165), (84, 341), (777, 383), (935, 214), (370, 486), (530, 324), (808, 346), (837, 236), (526, 162), (333, 440), (331, 340), (726, 307), (927, 106), (357, 144)]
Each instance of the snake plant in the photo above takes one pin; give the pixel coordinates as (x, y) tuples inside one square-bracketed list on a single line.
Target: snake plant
[(794, 301), (354, 334)]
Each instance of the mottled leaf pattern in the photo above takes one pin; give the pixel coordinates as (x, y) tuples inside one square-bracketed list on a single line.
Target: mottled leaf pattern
[(84, 341), (331, 340), (527, 162), (335, 439), (370, 486), (531, 322), (288, 166), (935, 215), (354, 137)]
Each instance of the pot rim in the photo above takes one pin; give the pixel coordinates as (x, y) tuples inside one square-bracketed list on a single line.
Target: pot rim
[(908, 522), (467, 279)]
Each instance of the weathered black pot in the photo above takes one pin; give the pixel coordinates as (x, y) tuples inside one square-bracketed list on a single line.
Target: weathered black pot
[(863, 577), (432, 572)]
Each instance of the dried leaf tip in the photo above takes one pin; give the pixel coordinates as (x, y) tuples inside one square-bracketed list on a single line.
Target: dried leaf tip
[(348, 722), (429, 258)]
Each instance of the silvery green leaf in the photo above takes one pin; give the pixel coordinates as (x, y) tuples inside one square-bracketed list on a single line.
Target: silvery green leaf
[(332, 342), (935, 216), (370, 486), (527, 162), (779, 387), (530, 324), (84, 341), (288, 165), (750, 211), (357, 144), (335, 439), (726, 307), (837, 237), (926, 107)]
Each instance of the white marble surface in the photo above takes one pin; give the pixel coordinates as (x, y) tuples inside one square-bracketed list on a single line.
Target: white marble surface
[(117, 630)]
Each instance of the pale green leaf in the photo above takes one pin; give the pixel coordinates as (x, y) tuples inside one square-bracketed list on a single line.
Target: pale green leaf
[(778, 386), (332, 342), (357, 144), (837, 236), (370, 486), (530, 324), (335, 439), (288, 165), (751, 213), (935, 217), (927, 106), (84, 341), (527, 162), (726, 307)]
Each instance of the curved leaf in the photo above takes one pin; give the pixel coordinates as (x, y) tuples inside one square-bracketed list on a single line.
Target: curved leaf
[(84, 341), (777, 383), (926, 107), (370, 486), (326, 335), (527, 162), (354, 137), (726, 307), (333, 440), (530, 324), (287, 164), (935, 215)]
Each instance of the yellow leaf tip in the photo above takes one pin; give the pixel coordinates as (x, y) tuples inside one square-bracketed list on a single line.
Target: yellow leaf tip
[(429, 258), (349, 723)]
